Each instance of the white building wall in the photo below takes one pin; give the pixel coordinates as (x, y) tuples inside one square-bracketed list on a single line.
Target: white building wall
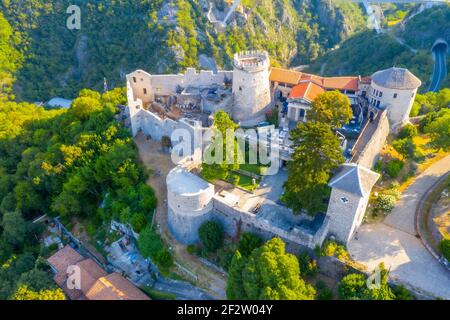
[(398, 103)]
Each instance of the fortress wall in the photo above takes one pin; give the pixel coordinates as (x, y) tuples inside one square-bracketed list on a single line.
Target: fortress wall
[(370, 154), (140, 81), (185, 228), (154, 126), (205, 77), (233, 218)]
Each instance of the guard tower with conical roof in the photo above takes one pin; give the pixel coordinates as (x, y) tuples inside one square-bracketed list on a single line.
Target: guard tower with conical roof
[(394, 89)]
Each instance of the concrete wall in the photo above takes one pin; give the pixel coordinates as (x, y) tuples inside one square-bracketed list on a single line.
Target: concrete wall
[(345, 217), (398, 108), (370, 154)]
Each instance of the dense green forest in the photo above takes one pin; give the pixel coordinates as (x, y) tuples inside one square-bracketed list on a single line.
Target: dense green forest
[(367, 52), (119, 36), (80, 163)]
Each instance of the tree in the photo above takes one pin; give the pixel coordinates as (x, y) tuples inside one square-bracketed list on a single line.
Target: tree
[(211, 235), (36, 280), (248, 242), (331, 107), (405, 147), (14, 228), (354, 287), (269, 273), (82, 107), (439, 130), (24, 293), (149, 242), (408, 131), (151, 246), (317, 152), (222, 124)]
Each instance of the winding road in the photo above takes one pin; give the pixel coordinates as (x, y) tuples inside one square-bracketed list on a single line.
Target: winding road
[(394, 242), (440, 67)]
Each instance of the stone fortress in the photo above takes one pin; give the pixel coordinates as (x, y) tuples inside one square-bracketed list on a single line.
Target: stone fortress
[(160, 104)]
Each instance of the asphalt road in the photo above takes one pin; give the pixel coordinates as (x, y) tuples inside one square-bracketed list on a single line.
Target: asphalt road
[(440, 68), (394, 242)]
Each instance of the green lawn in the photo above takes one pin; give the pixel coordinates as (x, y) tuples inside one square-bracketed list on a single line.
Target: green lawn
[(246, 182)]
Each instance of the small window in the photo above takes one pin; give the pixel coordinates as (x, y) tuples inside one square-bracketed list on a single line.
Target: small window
[(344, 200), (378, 103), (240, 88), (302, 113), (380, 94), (395, 96), (134, 79), (145, 91)]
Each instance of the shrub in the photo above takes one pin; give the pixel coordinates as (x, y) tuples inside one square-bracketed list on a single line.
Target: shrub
[(249, 242), (419, 156), (325, 294), (163, 259), (138, 222), (211, 235), (408, 131), (405, 147), (385, 202), (378, 166), (394, 167), (401, 293), (334, 249), (191, 249), (444, 247), (308, 266)]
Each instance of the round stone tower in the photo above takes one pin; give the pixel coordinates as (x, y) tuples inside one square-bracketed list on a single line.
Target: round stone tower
[(394, 89), (251, 87), (190, 203)]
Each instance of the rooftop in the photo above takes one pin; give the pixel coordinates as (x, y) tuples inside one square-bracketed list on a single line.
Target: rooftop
[(307, 90), (354, 179), (95, 283), (114, 287), (285, 76), (181, 181), (396, 78)]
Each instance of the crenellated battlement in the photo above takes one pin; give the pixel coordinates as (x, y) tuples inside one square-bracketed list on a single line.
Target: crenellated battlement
[(251, 61)]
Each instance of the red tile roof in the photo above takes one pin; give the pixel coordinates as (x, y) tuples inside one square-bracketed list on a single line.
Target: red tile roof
[(330, 83), (285, 76), (307, 90), (95, 283), (334, 83), (115, 287)]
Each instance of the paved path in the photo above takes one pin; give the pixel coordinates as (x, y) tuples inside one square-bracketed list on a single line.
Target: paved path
[(394, 241)]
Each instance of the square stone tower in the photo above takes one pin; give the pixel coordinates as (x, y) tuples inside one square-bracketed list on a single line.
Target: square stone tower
[(351, 188)]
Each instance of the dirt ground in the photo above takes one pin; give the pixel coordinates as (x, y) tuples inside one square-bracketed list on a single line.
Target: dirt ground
[(152, 156)]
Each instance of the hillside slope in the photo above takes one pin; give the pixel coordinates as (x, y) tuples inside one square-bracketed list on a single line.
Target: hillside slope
[(119, 36), (367, 52)]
